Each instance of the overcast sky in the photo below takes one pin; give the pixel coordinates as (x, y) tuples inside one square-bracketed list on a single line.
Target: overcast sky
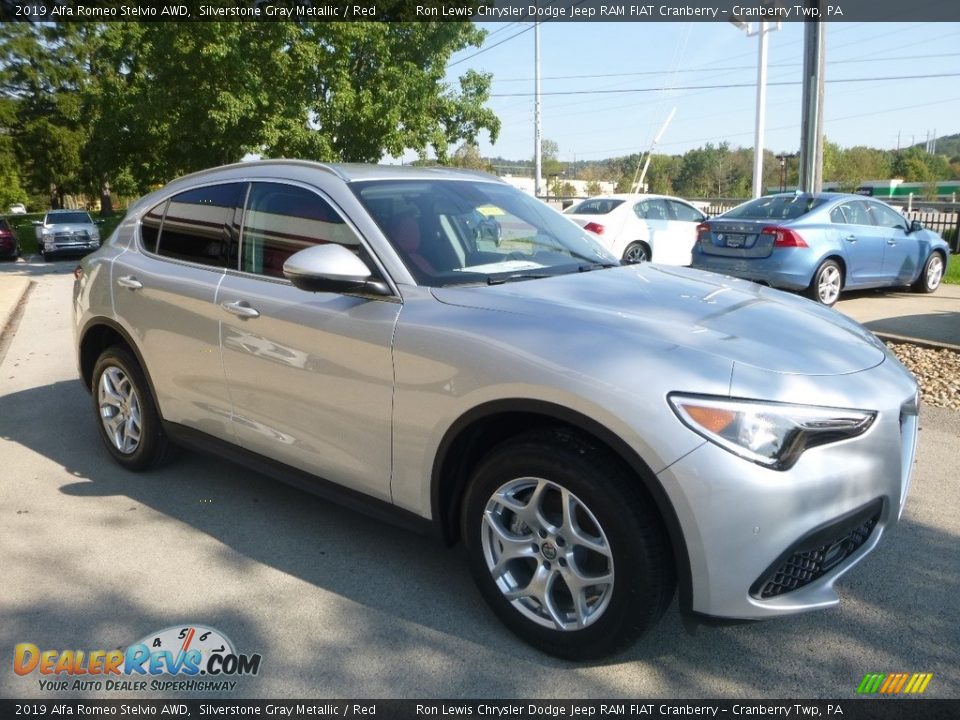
[(647, 57)]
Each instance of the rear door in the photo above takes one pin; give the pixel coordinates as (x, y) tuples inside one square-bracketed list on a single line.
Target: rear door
[(655, 229), (164, 296), (310, 374), (861, 241)]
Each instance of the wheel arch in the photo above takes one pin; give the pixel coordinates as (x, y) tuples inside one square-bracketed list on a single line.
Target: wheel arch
[(472, 435), (99, 334)]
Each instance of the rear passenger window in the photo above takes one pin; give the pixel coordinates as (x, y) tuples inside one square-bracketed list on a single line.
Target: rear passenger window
[(150, 227), (654, 209), (284, 219), (201, 225)]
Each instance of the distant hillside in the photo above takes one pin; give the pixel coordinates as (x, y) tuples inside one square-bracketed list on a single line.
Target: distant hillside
[(948, 145)]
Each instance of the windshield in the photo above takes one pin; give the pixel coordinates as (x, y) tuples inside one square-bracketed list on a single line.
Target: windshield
[(455, 232), (594, 206), (775, 207), (70, 218)]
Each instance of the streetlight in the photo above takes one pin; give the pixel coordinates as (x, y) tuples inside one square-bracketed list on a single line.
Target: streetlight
[(783, 172), (761, 32)]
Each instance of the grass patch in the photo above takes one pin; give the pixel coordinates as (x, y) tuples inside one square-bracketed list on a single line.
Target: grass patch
[(24, 229), (952, 275)]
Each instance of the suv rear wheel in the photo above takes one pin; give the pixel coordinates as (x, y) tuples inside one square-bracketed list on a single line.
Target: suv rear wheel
[(564, 547), (129, 423)]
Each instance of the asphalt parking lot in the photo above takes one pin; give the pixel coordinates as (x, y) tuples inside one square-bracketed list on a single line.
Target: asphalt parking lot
[(93, 557)]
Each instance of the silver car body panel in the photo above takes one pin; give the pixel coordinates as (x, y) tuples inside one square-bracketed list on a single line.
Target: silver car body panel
[(364, 391)]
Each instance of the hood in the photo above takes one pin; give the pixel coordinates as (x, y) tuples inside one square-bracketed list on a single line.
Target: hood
[(735, 319), (70, 227)]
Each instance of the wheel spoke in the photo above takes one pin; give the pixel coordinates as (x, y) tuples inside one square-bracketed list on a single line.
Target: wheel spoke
[(511, 547)]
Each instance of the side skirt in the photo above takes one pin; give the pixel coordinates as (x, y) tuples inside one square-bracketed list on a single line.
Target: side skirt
[(356, 501)]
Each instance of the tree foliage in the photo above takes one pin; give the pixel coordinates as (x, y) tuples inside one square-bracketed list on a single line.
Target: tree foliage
[(135, 104)]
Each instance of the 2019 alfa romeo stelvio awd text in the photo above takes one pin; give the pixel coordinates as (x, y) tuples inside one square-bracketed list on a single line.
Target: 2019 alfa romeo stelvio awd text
[(436, 347)]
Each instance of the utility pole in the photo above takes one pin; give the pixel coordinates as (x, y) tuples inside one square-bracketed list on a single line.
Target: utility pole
[(537, 159), (811, 136)]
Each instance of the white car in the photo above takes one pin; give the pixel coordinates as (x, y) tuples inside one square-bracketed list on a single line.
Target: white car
[(641, 228), (18, 209)]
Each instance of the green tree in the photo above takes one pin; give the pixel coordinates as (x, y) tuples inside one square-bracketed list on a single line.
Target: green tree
[(122, 102), (467, 155)]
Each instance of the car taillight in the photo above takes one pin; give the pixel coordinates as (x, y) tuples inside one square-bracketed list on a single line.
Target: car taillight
[(78, 272), (594, 228), (703, 231), (784, 237)]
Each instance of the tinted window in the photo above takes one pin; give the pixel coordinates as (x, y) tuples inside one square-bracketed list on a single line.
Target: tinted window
[(284, 219), (654, 209), (201, 226), (595, 206), (885, 217), (687, 213), (850, 213), (776, 207), (150, 227), (69, 218)]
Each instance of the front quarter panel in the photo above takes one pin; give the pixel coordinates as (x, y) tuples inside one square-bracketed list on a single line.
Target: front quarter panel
[(451, 359)]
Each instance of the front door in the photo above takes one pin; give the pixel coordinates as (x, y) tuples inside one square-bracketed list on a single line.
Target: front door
[(310, 374)]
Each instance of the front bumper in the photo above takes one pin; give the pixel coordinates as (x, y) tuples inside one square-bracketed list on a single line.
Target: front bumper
[(764, 543), (52, 247)]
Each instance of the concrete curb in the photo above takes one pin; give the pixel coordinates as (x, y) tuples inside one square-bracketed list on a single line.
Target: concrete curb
[(12, 291), (931, 344)]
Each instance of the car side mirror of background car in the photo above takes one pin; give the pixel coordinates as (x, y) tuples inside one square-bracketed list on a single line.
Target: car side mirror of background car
[(332, 268), (915, 225)]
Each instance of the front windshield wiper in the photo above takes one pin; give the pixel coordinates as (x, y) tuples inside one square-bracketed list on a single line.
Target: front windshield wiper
[(514, 277), (587, 267)]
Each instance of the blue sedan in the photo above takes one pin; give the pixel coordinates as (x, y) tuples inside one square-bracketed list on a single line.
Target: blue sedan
[(821, 244)]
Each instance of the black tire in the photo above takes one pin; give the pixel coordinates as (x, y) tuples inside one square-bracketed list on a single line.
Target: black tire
[(47, 256), (610, 507), (931, 275), (636, 252), (152, 447), (827, 283)]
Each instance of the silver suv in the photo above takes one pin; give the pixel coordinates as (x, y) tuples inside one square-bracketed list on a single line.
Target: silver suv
[(596, 435), (66, 231)]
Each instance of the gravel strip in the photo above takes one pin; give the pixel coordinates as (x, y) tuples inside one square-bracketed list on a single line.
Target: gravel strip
[(937, 371)]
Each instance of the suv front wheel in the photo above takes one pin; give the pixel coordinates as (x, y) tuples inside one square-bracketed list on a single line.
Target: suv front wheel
[(128, 420), (564, 546)]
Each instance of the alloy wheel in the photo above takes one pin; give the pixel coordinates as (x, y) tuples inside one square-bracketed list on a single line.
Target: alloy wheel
[(547, 554), (120, 410)]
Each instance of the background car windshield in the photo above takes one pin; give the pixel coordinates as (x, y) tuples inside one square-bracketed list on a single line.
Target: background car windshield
[(69, 218), (776, 207), (453, 232), (594, 206)]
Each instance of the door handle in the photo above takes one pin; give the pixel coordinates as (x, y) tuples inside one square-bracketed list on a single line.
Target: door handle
[(851, 238), (891, 242), (241, 308), (129, 281)]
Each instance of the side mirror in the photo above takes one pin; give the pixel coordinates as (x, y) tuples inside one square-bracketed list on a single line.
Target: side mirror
[(915, 225), (36, 223), (331, 268)]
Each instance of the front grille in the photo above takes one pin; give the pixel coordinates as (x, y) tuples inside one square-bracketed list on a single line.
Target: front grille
[(79, 236), (819, 553)]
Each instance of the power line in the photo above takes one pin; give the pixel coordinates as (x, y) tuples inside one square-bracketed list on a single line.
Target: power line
[(724, 87), (727, 69)]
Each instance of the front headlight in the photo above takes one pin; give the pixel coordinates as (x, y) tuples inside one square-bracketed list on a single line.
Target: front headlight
[(771, 434)]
